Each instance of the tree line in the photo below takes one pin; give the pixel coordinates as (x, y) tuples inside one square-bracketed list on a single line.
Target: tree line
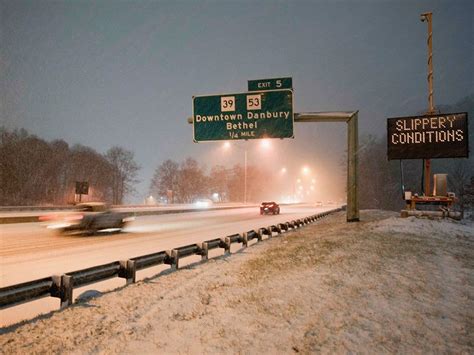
[(34, 171), (187, 181)]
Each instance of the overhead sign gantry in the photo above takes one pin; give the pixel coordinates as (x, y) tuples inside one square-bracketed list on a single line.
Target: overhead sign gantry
[(264, 112)]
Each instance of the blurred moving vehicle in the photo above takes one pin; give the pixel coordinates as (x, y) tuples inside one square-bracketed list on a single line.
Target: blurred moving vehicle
[(269, 207), (89, 218), (319, 203)]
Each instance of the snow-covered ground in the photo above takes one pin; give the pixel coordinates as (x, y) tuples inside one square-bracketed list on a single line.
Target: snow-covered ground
[(383, 285)]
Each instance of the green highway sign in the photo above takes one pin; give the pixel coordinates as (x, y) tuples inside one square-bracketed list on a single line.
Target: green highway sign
[(248, 115), (270, 84)]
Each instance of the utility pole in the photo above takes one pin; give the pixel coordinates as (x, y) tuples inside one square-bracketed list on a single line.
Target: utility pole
[(428, 17)]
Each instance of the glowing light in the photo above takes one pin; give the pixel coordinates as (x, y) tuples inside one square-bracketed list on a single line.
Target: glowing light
[(226, 145), (305, 170), (283, 170), (313, 181), (265, 143), (150, 200), (298, 181)]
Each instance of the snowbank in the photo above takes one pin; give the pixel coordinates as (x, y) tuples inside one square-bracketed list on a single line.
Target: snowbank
[(382, 285)]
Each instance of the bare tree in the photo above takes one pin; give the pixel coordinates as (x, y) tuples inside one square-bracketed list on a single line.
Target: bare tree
[(165, 180), (124, 173), (192, 182), (236, 183), (219, 182), (460, 180), (379, 179)]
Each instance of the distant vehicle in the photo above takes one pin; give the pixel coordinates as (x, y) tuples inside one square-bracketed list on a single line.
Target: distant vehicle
[(319, 203), (269, 207), (89, 218), (203, 202)]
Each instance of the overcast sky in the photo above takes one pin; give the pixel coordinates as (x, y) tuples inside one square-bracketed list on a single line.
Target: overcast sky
[(105, 73)]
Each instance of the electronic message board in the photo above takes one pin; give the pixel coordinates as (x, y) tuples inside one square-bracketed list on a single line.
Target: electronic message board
[(428, 136)]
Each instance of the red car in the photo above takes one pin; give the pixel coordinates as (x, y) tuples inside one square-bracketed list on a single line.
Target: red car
[(269, 207)]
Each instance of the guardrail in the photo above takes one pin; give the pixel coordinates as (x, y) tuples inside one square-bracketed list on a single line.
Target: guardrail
[(62, 286)]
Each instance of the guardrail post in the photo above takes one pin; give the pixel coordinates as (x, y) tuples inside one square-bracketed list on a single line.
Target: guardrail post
[(204, 251), (175, 257), (227, 245), (245, 241), (128, 271), (172, 259), (62, 289), (259, 235), (270, 234)]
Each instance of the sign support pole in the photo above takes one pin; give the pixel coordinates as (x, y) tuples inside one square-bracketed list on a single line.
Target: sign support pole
[(352, 162)]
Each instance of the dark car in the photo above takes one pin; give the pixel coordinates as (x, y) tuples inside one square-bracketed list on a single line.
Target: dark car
[(269, 207), (89, 218)]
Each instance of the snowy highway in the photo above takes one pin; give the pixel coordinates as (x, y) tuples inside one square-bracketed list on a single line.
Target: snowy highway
[(30, 251)]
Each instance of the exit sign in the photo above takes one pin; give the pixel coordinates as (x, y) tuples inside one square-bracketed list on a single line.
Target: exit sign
[(270, 84)]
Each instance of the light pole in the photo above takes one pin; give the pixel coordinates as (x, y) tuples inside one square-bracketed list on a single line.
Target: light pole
[(227, 146), (264, 144), (245, 175)]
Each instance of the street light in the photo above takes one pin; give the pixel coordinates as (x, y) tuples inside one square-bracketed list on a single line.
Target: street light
[(265, 143)]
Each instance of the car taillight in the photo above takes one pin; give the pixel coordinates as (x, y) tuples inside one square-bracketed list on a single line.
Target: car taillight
[(75, 217), (46, 217)]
